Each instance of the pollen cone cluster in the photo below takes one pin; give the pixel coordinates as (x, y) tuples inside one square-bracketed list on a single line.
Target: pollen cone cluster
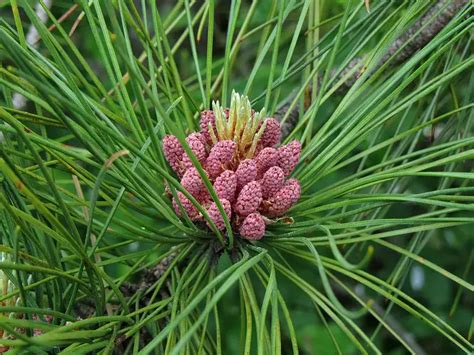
[(240, 152)]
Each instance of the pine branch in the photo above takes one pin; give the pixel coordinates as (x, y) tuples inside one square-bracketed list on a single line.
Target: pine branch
[(86, 307), (148, 278), (401, 49), (410, 46)]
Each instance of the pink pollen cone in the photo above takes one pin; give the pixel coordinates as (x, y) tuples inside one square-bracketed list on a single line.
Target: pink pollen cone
[(213, 167), (249, 199), (273, 180), (272, 134), (207, 117), (226, 185), (223, 151), (188, 207), (288, 156), (285, 198), (253, 227), (267, 158), (173, 153), (215, 215), (195, 142), (246, 172), (192, 182)]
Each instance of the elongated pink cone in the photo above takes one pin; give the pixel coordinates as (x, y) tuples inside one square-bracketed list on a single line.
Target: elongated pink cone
[(188, 207), (193, 183), (294, 189), (246, 172), (273, 180), (223, 151), (195, 142), (204, 197), (226, 185), (214, 168), (272, 134), (288, 156), (249, 199), (267, 158), (285, 198), (173, 153), (215, 215), (207, 117), (253, 227)]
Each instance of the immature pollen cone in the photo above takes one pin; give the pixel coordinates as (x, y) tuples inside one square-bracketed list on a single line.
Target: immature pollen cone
[(240, 152)]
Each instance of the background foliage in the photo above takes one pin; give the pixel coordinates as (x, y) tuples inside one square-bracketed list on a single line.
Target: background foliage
[(387, 176)]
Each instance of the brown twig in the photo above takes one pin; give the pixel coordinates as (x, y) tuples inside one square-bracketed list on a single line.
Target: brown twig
[(415, 38), (76, 23), (63, 18)]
